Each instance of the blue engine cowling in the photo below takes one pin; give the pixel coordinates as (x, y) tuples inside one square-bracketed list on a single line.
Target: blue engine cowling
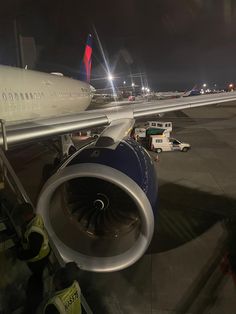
[(98, 208)]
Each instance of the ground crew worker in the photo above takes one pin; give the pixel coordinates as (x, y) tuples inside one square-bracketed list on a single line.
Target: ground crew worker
[(136, 136), (156, 158), (66, 299), (35, 251)]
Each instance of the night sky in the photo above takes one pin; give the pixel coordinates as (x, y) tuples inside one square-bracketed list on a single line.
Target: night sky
[(177, 44)]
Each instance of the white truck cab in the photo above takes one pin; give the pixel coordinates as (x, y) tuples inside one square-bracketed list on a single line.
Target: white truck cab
[(160, 144)]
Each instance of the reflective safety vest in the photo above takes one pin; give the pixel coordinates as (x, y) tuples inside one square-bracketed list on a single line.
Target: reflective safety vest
[(67, 301), (37, 225)]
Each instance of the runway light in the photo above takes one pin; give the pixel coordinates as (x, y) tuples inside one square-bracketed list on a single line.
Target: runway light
[(110, 77), (124, 82), (204, 85)]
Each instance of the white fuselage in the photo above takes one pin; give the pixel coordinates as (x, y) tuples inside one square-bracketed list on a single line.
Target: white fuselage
[(27, 95)]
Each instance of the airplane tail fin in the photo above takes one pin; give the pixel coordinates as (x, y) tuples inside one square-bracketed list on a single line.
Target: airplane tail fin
[(86, 64), (191, 92)]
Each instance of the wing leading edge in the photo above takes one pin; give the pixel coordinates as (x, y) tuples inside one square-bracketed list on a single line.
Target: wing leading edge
[(38, 129)]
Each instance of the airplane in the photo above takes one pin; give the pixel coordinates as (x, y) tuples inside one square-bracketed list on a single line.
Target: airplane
[(192, 92), (99, 206), (169, 95)]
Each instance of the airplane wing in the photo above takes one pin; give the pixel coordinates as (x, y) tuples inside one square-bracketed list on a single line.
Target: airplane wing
[(38, 129)]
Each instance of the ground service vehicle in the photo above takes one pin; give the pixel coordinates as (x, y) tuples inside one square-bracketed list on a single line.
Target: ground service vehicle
[(159, 143), (159, 124), (146, 132)]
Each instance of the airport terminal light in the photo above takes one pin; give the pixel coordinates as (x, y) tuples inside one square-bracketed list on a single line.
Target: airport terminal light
[(143, 88), (204, 85), (148, 90), (132, 84), (124, 82), (231, 87)]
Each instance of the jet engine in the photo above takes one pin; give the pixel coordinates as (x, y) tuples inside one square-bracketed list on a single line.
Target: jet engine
[(98, 208)]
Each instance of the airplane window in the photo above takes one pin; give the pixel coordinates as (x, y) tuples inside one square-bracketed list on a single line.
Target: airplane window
[(16, 96), (22, 96), (10, 96), (35, 95), (27, 96), (31, 96), (4, 97)]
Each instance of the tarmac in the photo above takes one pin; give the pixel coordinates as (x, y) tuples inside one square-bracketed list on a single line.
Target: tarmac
[(181, 271)]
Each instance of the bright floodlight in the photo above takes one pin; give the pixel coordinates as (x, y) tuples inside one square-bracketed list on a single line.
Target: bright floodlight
[(132, 84), (124, 82), (143, 88), (110, 77), (204, 85), (148, 90), (231, 85)]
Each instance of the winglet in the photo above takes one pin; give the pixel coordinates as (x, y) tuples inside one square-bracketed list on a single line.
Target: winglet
[(87, 60)]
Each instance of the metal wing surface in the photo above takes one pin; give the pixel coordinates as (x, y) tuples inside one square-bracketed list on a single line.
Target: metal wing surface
[(36, 129)]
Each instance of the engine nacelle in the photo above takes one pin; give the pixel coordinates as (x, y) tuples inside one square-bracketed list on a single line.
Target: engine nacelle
[(98, 208)]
